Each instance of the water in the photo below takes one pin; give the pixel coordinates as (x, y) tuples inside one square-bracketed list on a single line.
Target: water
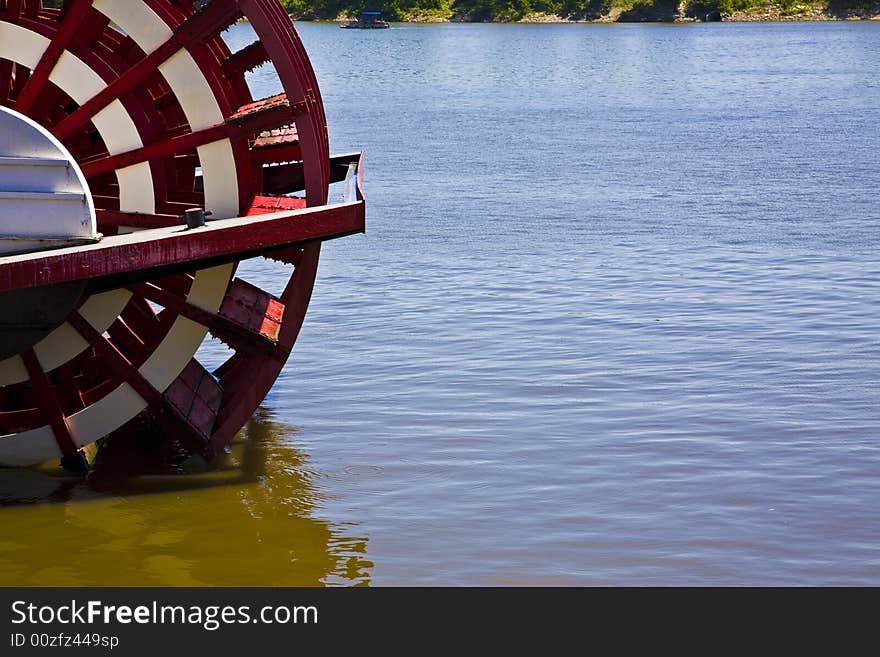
[(614, 321)]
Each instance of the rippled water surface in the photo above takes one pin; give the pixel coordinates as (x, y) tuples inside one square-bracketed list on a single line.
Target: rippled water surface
[(614, 321)]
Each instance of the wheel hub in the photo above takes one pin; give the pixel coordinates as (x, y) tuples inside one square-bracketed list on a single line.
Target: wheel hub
[(45, 202)]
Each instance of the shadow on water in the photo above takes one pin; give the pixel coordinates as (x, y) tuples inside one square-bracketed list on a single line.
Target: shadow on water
[(247, 520)]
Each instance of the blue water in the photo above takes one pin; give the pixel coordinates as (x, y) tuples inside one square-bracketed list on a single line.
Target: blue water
[(615, 317)]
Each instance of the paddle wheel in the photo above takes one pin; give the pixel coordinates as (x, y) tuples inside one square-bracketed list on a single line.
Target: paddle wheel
[(123, 124)]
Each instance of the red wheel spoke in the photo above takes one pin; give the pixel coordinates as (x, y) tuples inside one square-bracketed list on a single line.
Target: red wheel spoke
[(49, 404), (98, 392), (246, 59), (251, 119), (75, 13), (115, 360), (12, 13), (68, 389), (128, 342), (32, 8), (217, 16)]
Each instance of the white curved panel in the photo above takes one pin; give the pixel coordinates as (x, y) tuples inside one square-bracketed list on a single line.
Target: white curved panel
[(65, 342), (21, 46), (219, 179), (209, 288), (12, 370), (136, 189), (105, 416), (117, 129), (59, 346), (173, 353), (202, 111), (138, 21), (192, 91), (101, 310), (76, 79), (185, 336), (29, 447)]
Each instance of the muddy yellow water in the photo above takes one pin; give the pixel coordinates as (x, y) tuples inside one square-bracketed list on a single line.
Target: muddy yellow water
[(249, 520)]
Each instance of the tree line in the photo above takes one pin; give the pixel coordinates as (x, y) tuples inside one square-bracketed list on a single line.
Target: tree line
[(513, 10)]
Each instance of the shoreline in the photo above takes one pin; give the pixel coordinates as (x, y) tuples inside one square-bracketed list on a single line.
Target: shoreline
[(643, 13), (737, 17)]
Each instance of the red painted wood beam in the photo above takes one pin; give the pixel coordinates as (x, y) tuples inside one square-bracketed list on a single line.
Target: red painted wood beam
[(246, 59), (269, 204), (210, 20), (116, 218), (256, 117), (45, 395), (71, 24), (236, 336), (276, 153), (132, 256), (11, 14), (13, 11)]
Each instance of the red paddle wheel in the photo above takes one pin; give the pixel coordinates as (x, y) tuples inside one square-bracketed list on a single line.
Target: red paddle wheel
[(135, 114)]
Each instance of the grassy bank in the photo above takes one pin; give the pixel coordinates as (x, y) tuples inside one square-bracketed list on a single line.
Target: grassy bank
[(535, 11)]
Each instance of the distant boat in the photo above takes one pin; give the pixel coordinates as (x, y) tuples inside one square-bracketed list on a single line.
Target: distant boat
[(368, 20)]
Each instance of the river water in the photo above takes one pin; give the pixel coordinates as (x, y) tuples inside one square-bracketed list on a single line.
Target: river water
[(614, 321)]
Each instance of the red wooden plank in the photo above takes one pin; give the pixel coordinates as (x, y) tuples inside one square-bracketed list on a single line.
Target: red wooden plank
[(116, 218), (218, 241), (196, 397), (278, 145), (246, 59), (278, 137), (269, 204), (274, 27), (211, 19)]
